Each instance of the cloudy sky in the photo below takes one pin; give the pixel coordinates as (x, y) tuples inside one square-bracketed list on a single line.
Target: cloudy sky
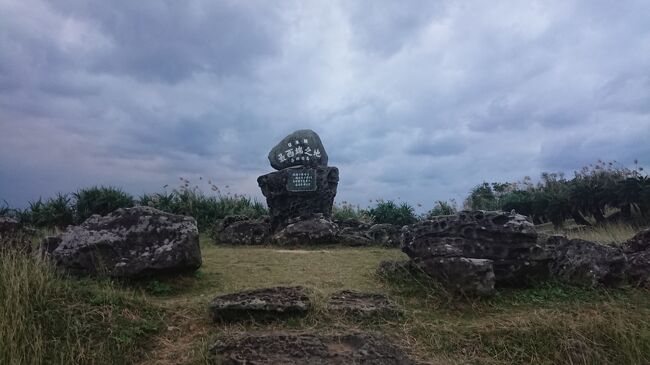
[(417, 100)]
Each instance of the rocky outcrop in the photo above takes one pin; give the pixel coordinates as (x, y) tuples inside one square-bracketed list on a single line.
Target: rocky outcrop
[(286, 205), (261, 304), (310, 231), (128, 243), (361, 305), (507, 240), (239, 230), (472, 277), (286, 347), (637, 250), (385, 234), (589, 264)]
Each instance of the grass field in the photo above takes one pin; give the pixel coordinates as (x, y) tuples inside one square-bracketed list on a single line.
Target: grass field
[(167, 321)]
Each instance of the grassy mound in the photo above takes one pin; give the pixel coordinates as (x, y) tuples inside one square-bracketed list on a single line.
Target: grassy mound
[(46, 318)]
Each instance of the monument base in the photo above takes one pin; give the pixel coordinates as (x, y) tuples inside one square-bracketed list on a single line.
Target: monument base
[(299, 192)]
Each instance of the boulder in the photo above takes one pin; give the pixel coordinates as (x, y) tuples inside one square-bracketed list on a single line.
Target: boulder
[(589, 264), (286, 203), (261, 304), (237, 231), (637, 250), (309, 231), (472, 277), (288, 347), (385, 234), (128, 243), (508, 240), (300, 148), (358, 304)]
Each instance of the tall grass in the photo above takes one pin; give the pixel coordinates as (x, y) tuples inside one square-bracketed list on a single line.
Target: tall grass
[(615, 233), (346, 211), (48, 319)]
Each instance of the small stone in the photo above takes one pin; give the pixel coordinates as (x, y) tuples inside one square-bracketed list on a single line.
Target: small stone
[(288, 347), (589, 264), (242, 231), (312, 231), (261, 304), (359, 304)]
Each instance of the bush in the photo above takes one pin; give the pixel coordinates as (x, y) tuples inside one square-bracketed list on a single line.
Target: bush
[(442, 208), (346, 211), (100, 200), (205, 209), (389, 212), (48, 319), (55, 212)]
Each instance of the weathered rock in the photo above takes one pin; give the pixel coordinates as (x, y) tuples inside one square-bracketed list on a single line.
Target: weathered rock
[(261, 304), (285, 205), (128, 243), (308, 348), (310, 231), (302, 147), (359, 304), (640, 242), (637, 250), (638, 271), (589, 264), (472, 277), (13, 235), (351, 237), (243, 231), (507, 239), (385, 234)]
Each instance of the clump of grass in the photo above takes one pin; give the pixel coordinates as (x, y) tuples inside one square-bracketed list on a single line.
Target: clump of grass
[(46, 318), (615, 233), (100, 200)]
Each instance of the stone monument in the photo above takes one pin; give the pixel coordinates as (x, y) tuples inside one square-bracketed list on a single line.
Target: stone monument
[(304, 186)]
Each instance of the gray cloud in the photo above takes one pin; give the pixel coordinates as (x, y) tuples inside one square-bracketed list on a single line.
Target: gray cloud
[(413, 101)]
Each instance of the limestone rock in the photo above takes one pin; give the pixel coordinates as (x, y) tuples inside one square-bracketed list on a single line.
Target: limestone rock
[(359, 304), (472, 277), (304, 348), (261, 304), (589, 264), (638, 271), (128, 243), (302, 147), (239, 230), (310, 231), (640, 242), (385, 234), (285, 205), (508, 240)]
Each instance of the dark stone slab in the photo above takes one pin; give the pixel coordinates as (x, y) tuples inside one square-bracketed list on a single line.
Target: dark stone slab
[(285, 347), (300, 148), (362, 305), (128, 243), (309, 231), (472, 277), (285, 205), (236, 231), (261, 304)]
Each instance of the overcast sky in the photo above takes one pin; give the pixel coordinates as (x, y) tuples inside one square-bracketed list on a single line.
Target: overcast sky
[(418, 100)]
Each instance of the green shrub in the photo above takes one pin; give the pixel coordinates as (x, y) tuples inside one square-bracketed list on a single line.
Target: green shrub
[(54, 212), (48, 319), (442, 208), (204, 208), (389, 212), (100, 200), (346, 211)]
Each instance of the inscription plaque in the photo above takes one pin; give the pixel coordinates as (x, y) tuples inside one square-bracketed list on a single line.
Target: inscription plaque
[(302, 180)]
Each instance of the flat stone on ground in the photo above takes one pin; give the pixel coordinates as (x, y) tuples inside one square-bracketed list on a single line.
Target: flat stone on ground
[(261, 304), (284, 347), (361, 304)]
